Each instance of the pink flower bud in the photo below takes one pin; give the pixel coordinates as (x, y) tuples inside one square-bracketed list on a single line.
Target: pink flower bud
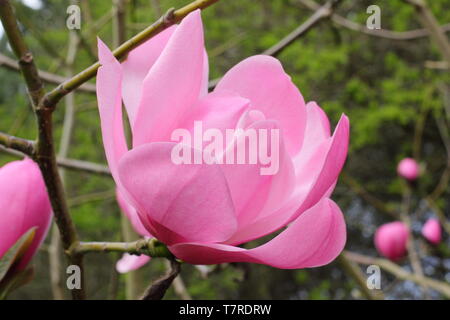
[(409, 169), (432, 231), (391, 240), (24, 204)]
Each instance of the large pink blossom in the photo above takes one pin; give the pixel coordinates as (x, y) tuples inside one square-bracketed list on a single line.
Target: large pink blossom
[(24, 204), (202, 212)]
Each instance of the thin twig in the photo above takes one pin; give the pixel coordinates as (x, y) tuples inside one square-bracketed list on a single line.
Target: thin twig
[(440, 214), (430, 22), (381, 33), (178, 284), (357, 188), (320, 14), (413, 255), (26, 147), (169, 19), (438, 65), (69, 118), (353, 271), (150, 247), (399, 272), (158, 288), (71, 164), (45, 76), (96, 196)]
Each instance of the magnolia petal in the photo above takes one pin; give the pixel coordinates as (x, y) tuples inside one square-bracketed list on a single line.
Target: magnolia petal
[(137, 65), (182, 202), (109, 82), (216, 111), (262, 80), (304, 196), (316, 238), (130, 262), (172, 84), (267, 186)]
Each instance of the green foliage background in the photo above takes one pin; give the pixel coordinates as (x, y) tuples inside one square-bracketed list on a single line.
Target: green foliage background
[(382, 85)]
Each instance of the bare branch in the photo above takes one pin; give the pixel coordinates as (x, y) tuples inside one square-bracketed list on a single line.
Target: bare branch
[(320, 14), (353, 271), (399, 272), (150, 247), (80, 165), (431, 24), (367, 196), (45, 152), (438, 65), (45, 76), (381, 33), (169, 19), (71, 164), (26, 147), (158, 288)]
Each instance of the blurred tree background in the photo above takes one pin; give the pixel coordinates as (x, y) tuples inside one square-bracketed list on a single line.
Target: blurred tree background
[(393, 95)]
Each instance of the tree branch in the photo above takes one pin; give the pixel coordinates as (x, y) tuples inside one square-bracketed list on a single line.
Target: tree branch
[(357, 188), (45, 153), (353, 271), (27, 147), (71, 164), (150, 247), (381, 33), (320, 14), (158, 289), (399, 272), (45, 76), (80, 165), (169, 19), (431, 24)]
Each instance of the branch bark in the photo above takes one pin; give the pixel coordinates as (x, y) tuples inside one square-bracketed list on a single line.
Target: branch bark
[(158, 288), (44, 152), (321, 13), (381, 33), (71, 164), (26, 147), (399, 272), (69, 115), (170, 18), (150, 247), (353, 271), (48, 77), (429, 21)]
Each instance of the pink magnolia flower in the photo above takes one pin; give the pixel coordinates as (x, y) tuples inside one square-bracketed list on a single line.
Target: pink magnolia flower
[(432, 231), (409, 169), (391, 240), (202, 212), (24, 204)]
